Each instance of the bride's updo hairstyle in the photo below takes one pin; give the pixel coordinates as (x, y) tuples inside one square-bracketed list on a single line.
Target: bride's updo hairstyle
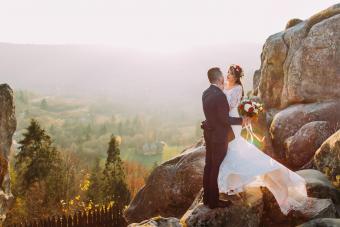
[(238, 73)]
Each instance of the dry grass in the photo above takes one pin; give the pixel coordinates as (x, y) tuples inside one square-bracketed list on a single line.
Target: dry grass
[(325, 14), (293, 22)]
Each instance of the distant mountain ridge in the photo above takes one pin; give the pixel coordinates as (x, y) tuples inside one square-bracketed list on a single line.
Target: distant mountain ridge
[(130, 76)]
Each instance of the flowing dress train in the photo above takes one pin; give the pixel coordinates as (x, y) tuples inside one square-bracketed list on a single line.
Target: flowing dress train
[(247, 166)]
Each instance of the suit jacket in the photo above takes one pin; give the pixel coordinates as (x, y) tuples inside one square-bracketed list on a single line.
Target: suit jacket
[(216, 111)]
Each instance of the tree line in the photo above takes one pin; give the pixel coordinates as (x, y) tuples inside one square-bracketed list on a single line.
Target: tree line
[(47, 181)]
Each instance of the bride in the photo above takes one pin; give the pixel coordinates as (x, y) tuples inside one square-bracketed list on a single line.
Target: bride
[(247, 166)]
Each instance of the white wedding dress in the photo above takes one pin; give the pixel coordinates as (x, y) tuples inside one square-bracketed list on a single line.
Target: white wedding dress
[(247, 166)]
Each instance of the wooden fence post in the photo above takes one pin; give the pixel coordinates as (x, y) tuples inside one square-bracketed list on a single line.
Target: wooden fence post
[(96, 217), (69, 220), (58, 221)]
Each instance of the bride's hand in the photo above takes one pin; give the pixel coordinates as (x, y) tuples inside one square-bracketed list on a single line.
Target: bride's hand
[(246, 121)]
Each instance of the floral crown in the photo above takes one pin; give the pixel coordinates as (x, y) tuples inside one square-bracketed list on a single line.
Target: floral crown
[(238, 69)]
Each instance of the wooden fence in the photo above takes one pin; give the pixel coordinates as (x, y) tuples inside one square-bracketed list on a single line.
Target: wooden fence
[(103, 217)]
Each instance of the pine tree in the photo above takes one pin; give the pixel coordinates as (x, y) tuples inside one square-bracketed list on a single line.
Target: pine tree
[(37, 157), (114, 184), (39, 176), (95, 189)]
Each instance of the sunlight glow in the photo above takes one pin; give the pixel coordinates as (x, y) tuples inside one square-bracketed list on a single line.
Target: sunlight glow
[(155, 25)]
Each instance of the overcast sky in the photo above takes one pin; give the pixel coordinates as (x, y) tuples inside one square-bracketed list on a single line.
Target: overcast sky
[(156, 25)]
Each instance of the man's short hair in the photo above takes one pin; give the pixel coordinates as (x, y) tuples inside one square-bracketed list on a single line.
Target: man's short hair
[(214, 74)]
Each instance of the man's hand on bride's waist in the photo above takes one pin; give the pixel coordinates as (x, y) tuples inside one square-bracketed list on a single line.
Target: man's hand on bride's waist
[(205, 126)]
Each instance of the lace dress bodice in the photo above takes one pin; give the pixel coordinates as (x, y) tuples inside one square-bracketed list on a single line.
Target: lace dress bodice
[(234, 96)]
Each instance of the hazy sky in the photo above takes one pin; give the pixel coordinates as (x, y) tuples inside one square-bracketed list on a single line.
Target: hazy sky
[(156, 25)]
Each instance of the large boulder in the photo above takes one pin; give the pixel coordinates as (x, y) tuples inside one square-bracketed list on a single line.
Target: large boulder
[(171, 188), (322, 222), (301, 63), (318, 186), (323, 196), (299, 82), (158, 222), (289, 121), (258, 207), (301, 147), (272, 215), (242, 212), (327, 158), (270, 84), (7, 128)]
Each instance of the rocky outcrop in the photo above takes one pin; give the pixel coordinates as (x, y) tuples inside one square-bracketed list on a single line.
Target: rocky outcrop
[(327, 158), (299, 82), (171, 187), (7, 128), (272, 216), (290, 124), (158, 222), (258, 207), (318, 186), (243, 212), (323, 205), (302, 145), (256, 78), (322, 222), (301, 63)]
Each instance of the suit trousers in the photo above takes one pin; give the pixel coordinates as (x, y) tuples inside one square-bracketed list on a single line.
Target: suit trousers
[(215, 153)]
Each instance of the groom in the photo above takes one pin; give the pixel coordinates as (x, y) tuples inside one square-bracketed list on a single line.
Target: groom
[(217, 134)]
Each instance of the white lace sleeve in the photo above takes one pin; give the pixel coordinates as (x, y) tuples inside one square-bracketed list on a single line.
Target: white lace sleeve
[(234, 97)]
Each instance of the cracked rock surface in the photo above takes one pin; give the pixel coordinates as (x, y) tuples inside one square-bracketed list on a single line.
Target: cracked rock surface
[(7, 129)]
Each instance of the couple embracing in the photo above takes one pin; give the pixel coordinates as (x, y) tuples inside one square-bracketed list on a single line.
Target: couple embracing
[(232, 163)]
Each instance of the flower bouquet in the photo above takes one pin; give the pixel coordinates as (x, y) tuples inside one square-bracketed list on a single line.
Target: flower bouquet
[(249, 108)]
